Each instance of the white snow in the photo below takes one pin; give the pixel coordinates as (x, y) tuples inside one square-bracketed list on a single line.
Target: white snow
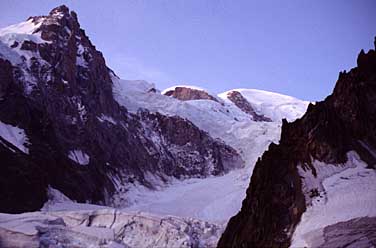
[(107, 118), (73, 224), (14, 54), (20, 58), (105, 228), (16, 35), (346, 193), (27, 27), (80, 108), (80, 60), (14, 135), (215, 198), (21, 32), (273, 105), (79, 157), (8, 53)]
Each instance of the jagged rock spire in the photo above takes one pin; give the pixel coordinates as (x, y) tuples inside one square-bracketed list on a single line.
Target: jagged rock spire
[(60, 9), (276, 199)]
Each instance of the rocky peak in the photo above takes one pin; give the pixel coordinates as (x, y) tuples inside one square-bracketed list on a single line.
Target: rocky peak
[(49, 25), (57, 88), (60, 10), (345, 121), (186, 94), (64, 60), (241, 102)]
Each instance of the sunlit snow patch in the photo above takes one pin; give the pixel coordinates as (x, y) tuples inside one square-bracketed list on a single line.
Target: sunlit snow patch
[(272, 105), (27, 27)]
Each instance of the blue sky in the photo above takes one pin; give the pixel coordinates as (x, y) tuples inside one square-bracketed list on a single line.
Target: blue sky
[(293, 47)]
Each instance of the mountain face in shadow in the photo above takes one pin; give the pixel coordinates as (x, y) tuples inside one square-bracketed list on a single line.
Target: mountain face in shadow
[(57, 91), (280, 192)]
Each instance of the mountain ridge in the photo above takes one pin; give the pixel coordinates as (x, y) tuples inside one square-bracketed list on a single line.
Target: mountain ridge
[(57, 88), (343, 122)]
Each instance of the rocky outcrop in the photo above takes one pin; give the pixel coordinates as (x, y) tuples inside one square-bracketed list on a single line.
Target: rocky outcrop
[(186, 94), (275, 200), (242, 103), (191, 151), (80, 140)]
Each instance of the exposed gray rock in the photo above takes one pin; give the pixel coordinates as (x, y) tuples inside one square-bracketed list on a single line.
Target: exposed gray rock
[(241, 102), (345, 121), (186, 94), (355, 233)]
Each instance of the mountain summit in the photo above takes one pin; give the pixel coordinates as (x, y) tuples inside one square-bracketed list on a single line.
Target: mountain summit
[(107, 162), (71, 134)]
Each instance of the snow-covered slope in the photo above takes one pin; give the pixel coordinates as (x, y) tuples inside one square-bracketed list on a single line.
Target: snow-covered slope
[(200, 198), (59, 76), (343, 193), (63, 223), (316, 188), (18, 45), (224, 121), (272, 105)]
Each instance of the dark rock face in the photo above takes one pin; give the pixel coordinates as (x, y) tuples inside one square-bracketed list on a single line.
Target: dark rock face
[(238, 99), (190, 150), (186, 94), (62, 98), (344, 121)]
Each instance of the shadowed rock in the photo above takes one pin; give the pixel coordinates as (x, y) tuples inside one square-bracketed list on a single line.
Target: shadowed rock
[(344, 121), (61, 96)]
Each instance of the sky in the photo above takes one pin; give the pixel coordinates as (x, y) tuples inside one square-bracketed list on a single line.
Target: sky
[(294, 47)]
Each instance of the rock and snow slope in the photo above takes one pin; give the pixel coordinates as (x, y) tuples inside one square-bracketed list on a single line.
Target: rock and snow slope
[(272, 105), (56, 87), (222, 120), (201, 198), (212, 200), (100, 139), (14, 136), (343, 193), (321, 173)]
